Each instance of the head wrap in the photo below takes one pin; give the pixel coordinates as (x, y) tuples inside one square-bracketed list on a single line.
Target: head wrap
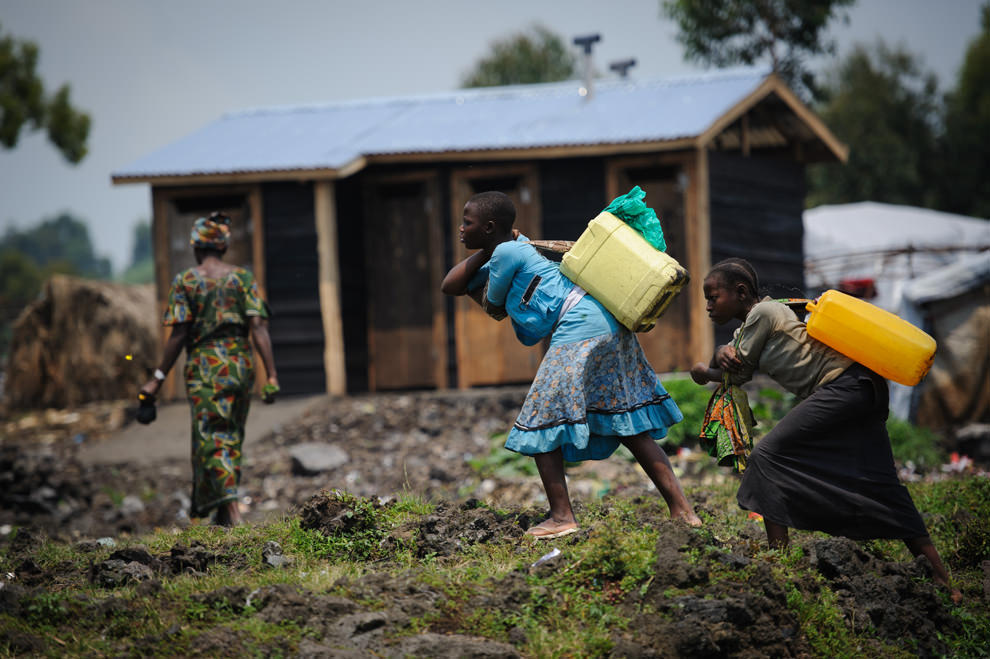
[(211, 232)]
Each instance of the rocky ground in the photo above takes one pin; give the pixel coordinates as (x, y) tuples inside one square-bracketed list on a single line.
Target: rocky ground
[(436, 445)]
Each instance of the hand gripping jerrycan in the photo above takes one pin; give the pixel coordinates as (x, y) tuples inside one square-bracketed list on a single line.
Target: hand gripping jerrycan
[(632, 279), (877, 339)]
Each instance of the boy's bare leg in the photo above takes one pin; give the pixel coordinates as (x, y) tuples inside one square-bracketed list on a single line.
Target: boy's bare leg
[(551, 468), (925, 546), (777, 536), (656, 465)]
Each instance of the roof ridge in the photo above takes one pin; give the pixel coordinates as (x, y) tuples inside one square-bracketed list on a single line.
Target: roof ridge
[(564, 87)]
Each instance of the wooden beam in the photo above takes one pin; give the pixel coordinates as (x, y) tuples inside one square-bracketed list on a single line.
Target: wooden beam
[(257, 220), (431, 157), (775, 85), (232, 178), (330, 303), (817, 126), (163, 278), (698, 235), (256, 223)]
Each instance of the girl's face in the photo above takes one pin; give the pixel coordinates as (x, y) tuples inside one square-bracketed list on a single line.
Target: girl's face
[(474, 232), (724, 302)]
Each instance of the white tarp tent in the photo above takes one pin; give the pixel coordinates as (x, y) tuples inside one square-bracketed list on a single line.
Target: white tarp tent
[(889, 244), (916, 258)]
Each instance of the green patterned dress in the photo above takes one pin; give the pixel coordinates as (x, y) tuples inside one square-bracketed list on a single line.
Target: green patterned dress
[(219, 375)]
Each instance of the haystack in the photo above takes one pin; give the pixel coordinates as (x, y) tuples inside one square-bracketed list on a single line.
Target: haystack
[(72, 346)]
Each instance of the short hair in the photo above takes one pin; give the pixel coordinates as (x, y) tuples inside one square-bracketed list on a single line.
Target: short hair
[(737, 271), (495, 206)]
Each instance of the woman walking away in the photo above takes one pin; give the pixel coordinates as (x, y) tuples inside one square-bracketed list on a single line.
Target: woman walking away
[(212, 308), (594, 389), (827, 466)]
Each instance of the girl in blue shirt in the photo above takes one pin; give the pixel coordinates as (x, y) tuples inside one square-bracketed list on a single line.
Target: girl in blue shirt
[(594, 389)]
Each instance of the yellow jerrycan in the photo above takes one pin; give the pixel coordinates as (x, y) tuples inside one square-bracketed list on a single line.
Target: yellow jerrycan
[(884, 343), (632, 279)]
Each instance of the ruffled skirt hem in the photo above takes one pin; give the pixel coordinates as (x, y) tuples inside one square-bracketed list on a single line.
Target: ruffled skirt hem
[(588, 396)]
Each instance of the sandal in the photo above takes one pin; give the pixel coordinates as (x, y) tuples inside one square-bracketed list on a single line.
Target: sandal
[(542, 532)]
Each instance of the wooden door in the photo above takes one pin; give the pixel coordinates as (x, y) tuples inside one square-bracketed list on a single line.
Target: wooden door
[(404, 256), (175, 213), (488, 352), (667, 345)]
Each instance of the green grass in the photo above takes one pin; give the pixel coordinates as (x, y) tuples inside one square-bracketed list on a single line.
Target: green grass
[(603, 580), (915, 444)]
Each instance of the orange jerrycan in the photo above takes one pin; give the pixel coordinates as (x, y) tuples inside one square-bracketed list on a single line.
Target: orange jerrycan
[(877, 339), (632, 279)]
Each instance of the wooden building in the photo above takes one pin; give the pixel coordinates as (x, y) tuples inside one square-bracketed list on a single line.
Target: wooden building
[(348, 213)]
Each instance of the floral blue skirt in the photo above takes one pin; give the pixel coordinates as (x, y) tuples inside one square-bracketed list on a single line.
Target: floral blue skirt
[(588, 395)]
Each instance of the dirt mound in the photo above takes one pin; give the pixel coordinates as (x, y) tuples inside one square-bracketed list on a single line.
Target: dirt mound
[(452, 528), (72, 346), (706, 597), (893, 598), (697, 594)]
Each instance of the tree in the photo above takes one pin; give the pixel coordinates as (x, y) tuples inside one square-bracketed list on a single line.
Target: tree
[(141, 250), (966, 146), (63, 239), (142, 267), (781, 32), (23, 102), (536, 55), (880, 103)]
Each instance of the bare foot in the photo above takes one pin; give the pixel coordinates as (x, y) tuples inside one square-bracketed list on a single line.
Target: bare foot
[(228, 514), (954, 593), (234, 513), (688, 517)]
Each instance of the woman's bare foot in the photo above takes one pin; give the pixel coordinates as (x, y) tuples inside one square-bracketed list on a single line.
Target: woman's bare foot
[(229, 514), (234, 513), (688, 516), (550, 528)]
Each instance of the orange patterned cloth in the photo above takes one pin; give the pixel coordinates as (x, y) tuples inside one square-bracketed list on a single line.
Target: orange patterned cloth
[(727, 431)]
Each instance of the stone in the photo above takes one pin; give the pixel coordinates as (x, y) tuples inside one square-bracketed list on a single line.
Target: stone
[(312, 458)]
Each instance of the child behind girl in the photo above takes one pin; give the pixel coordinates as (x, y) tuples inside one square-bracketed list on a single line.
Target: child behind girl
[(594, 388), (827, 466)]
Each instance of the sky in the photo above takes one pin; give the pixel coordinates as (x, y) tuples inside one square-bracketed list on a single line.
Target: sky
[(150, 72)]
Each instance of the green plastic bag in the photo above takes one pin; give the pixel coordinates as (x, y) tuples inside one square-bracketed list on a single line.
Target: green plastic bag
[(631, 209)]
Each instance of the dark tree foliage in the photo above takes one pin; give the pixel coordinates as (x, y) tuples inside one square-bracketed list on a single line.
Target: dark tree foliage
[(20, 283), (536, 55), (142, 242), (24, 103), (142, 267), (880, 103), (782, 33), (63, 239), (965, 180)]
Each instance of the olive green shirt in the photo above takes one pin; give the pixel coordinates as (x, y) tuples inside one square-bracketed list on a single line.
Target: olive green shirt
[(773, 341)]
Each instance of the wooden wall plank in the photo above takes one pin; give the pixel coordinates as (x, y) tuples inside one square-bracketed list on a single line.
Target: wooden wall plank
[(329, 286)]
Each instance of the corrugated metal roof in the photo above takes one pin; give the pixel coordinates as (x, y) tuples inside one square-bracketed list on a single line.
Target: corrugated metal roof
[(334, 135)]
